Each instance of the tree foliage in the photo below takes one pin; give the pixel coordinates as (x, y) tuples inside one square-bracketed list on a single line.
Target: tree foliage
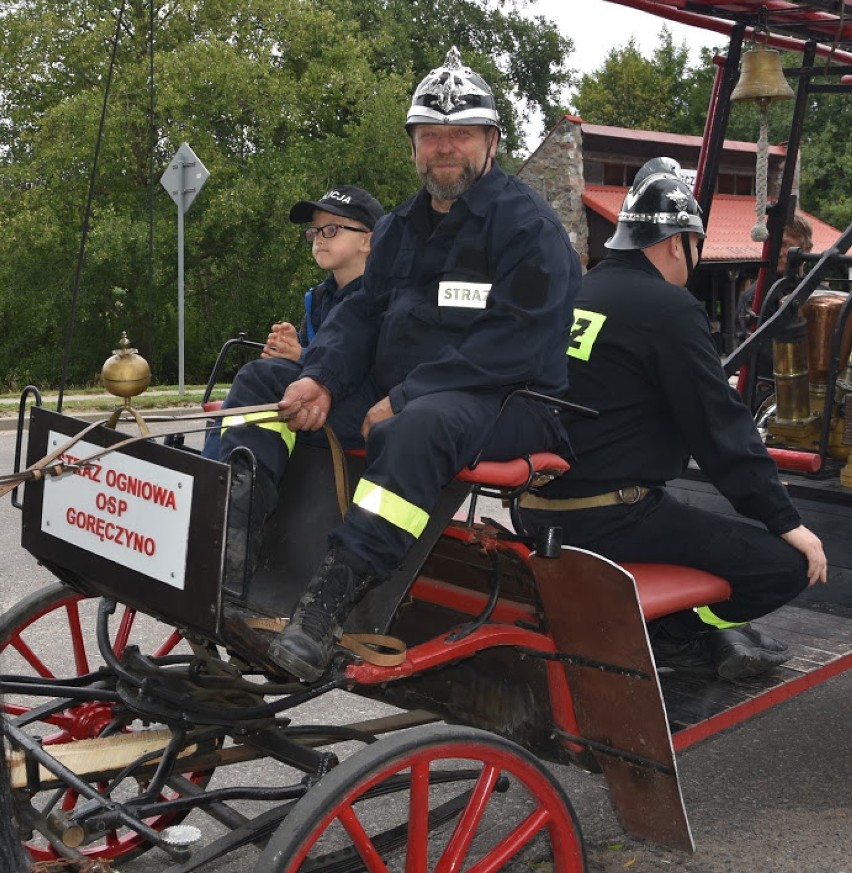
[(659, 93), (278, 98)]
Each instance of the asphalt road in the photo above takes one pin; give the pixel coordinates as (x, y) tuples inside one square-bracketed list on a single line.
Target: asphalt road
[(771, 796)]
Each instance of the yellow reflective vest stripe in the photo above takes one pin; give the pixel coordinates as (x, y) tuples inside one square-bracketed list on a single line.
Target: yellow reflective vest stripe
[(709, 617), (391, 507), (279, 427)]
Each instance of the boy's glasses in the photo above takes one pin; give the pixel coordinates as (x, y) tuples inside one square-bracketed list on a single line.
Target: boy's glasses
[(329, 231)]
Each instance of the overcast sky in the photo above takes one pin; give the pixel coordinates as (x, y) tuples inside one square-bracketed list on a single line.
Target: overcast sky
[(596, 27)]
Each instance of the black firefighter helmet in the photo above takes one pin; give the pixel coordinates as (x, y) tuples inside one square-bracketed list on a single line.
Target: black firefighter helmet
[(658, 205)]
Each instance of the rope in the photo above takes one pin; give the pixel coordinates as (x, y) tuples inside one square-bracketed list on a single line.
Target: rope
[(759, 233)]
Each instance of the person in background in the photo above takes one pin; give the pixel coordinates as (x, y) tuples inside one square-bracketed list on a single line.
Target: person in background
[(341, 248), (467, 296), (642, 354), (797, 234)]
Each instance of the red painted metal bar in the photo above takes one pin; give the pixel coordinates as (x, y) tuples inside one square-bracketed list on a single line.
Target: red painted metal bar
[(469, 602), (440, 652), (708, 124), (801, 462), (825, 23), (687, 737)]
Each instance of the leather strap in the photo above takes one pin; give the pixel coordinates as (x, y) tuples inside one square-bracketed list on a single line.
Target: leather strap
[(44, 466), (628, 496), (341, 471), (378, 649)]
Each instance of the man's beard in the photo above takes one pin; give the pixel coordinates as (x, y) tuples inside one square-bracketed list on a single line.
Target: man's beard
[(449, 190)]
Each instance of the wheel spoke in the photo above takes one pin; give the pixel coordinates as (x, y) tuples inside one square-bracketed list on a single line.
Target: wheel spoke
[(31, 657), (362, 841), (468, 823), (125, 626), (171, 642), (78, 643), (418, 819), (512, 843)]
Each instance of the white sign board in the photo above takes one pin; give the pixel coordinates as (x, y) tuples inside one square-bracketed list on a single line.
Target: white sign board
[(124, 509), (185, 177)]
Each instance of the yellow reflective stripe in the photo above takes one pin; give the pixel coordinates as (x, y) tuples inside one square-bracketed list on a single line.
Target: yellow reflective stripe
[(587, 325), (709, 617), (391, 507), (279, 427)]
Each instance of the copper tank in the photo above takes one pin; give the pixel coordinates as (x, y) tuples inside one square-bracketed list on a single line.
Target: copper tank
[(821, 312)]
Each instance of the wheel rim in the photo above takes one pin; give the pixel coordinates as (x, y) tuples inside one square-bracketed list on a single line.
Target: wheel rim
[(28, 647), (512, 806)]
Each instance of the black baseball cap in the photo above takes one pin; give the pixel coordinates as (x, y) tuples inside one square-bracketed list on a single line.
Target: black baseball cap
[(347, 201)]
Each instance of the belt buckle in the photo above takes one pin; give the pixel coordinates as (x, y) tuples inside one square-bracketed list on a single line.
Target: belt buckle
[(635, 497)]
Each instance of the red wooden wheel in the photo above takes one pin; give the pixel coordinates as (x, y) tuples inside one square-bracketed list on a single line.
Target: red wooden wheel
[(52, 634), (511, 810)]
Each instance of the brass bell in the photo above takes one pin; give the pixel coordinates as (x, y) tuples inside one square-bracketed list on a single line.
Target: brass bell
[(126, 373), (762, 78)]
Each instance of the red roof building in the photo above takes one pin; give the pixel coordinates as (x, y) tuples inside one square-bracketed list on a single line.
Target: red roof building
[(584, 171)]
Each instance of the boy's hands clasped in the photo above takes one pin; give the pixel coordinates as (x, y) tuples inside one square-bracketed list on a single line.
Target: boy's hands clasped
[(282, 342)]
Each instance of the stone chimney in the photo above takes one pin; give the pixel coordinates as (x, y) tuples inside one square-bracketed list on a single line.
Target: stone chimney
[(555, 170)]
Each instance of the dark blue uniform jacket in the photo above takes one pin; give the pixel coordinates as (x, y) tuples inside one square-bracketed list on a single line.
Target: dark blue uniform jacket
[(482, 303)]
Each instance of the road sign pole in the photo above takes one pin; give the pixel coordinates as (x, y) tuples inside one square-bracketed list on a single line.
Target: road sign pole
[(181, 336), (183, 187)]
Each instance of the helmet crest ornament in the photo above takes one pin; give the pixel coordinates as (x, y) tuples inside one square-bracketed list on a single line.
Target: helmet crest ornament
[(658, 205), (452, 94)]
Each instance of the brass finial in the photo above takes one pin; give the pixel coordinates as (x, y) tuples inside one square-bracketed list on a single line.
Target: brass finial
[(126, 374)]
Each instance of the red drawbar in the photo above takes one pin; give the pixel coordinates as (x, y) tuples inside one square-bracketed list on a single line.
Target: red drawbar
[(667, 588)]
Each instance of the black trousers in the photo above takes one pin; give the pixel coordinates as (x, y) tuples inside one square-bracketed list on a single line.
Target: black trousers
[(410, 456), (763, 570)]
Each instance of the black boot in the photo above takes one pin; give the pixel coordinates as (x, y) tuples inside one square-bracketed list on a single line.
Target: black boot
[(305, 646), (744, 651), (687, 653), (252, 499)]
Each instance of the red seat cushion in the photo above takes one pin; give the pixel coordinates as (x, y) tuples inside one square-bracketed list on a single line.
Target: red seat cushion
[(667, 588), (212, 405), (514, 473), (505, 474)]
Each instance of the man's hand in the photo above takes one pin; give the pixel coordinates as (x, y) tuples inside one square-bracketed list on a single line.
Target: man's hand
[(810, 545), (375, 414), (282, 342), (307, 404)]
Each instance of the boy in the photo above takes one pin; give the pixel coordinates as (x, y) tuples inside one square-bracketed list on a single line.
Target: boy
[(341, 248)]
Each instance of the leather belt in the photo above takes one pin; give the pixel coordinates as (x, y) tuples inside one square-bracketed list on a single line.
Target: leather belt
[(628, 495)]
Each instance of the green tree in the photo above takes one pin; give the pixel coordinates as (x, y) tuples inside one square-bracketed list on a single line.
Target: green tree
[(659, 93), (279, 98)]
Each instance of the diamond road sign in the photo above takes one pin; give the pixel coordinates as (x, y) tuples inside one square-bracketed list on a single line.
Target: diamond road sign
[(185, 177)]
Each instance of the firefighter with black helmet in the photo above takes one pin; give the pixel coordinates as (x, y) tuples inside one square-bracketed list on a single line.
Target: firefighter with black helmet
[(641, 352), (467, 295)]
